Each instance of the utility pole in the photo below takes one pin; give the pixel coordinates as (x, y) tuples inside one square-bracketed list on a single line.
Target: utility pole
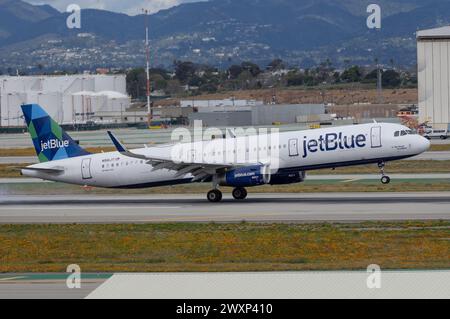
[(147, 48), (379, 82)]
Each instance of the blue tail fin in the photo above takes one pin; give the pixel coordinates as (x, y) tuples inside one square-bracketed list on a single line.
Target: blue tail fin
[(50, 140)]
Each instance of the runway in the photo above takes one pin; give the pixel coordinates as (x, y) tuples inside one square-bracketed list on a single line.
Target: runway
[(47, 286), (195, 208)]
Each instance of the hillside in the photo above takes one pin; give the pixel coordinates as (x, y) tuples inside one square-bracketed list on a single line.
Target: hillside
[(220, 32)]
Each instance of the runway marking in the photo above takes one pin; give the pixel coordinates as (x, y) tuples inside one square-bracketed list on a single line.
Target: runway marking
[(12, 278), (352, 180), (94, 206)]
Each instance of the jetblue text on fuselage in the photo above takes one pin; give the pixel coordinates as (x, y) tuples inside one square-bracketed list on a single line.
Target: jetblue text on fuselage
[(332, 142)]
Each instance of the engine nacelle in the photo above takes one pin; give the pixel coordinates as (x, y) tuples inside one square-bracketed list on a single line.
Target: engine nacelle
[(287, 178), (245, 177)]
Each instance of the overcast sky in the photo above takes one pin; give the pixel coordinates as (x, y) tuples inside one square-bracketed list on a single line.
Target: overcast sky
[(131, 7)]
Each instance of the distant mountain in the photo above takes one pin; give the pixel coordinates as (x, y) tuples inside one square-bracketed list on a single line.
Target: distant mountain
[(302, 32)]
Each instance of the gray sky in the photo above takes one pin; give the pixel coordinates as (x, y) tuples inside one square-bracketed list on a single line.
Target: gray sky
[(131, 7)]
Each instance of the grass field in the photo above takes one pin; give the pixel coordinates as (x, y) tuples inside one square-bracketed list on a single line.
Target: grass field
[(440, 148), (224, 247)]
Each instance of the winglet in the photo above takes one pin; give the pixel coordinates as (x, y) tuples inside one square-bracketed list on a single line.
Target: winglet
[(119, 146)]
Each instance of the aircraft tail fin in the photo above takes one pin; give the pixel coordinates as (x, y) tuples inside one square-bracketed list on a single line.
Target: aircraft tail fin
[(50, 141)]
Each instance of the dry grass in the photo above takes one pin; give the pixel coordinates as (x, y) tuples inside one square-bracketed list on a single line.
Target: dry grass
[(340, 95), (440, 148), (227, 247), (10, 170)]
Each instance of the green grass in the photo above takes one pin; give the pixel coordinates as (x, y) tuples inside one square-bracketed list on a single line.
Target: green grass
[(224, 247)]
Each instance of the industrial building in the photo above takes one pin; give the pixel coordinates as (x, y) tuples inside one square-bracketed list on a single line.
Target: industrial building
[(74, 99), (259, 115), (433, 47), (218, 103)]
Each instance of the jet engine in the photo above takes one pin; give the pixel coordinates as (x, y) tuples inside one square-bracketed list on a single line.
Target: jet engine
[(288, 178), (258, 176), (245, 177)]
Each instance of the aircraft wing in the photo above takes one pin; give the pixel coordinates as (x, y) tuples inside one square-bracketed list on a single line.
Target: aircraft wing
[(200, 170)]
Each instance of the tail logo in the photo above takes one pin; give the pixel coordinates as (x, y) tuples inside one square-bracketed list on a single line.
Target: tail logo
[(50, 141), (52, 144)]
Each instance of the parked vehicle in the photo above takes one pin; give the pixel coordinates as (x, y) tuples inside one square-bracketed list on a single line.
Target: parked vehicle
[(434, 133)]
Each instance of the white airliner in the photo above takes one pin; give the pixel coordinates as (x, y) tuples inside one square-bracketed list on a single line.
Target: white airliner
[(222, 162)]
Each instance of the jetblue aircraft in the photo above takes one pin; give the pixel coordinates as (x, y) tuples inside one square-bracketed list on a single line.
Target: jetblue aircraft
[(295, 153)]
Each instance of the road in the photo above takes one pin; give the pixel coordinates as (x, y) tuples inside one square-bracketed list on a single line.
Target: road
[(195, 208)]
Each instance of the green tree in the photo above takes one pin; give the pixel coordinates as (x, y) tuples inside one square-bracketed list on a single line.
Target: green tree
[(353, 74), (184, 71), (391, 79), (275, 65), (253, 68), (295, 79), (234, 71)]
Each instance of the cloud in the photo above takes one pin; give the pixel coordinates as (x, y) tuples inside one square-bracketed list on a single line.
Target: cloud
[(131, 7)]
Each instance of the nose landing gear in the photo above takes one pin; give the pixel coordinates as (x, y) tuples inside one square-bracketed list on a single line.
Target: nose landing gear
[(385, 180)]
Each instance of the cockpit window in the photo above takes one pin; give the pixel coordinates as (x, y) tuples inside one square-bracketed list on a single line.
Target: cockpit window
[(404, 133), (397, 134)]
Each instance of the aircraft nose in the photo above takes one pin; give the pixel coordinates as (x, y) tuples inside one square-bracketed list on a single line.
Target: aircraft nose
[(424, 144)]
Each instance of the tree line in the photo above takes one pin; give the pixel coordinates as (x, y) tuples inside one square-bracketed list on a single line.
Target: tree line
[(190, 78)]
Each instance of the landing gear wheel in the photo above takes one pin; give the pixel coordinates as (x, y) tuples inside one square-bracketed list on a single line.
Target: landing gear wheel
[(385, 180), (215, 196), (240, 193)]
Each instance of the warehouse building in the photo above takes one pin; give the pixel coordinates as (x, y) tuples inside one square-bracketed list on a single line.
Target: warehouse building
[(433, 47), (258, 115), (74, 99)]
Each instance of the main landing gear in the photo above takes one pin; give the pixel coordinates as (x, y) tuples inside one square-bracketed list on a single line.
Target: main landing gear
[(215, 195), (240, 193), (384, 179)]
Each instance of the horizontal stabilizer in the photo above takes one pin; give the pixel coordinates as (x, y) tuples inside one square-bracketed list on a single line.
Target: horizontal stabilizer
[(44, 170)]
